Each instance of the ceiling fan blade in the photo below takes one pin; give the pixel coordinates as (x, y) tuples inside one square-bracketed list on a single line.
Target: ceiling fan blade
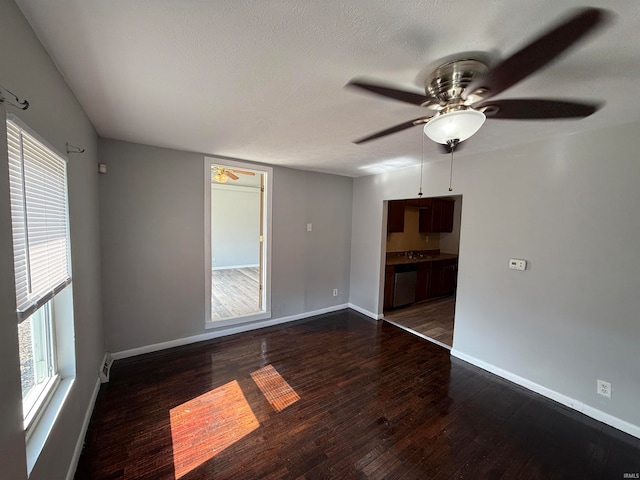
[(532, 109), (402, 95), (397, 128), (537, 53), (243, 172), (231, 175)]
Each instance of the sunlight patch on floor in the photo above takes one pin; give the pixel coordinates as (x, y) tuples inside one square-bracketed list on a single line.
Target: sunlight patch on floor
[(206, 425), (275, 388)]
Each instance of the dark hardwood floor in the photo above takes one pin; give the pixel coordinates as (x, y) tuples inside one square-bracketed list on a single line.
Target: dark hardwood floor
[(358, 399)]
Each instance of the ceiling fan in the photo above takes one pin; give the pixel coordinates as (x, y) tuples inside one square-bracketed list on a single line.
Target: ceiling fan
[(223, 174), (458, 93)]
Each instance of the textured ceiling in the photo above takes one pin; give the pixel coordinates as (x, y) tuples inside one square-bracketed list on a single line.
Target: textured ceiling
[(264, 80)]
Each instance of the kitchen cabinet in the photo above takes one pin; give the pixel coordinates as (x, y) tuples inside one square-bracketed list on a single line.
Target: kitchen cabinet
[(388, 286), (395, 216), (442, 280), (422, 281), (437, 217)]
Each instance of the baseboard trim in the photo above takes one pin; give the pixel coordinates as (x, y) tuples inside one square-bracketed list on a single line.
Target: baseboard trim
[(361, 310), (234, 267), (222, 332), (83, 432), (587, 410)]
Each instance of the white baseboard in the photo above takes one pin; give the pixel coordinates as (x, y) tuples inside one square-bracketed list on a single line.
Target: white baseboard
[(232, 267), (361, 310), (222, 332), (83, 432), (587, 410)]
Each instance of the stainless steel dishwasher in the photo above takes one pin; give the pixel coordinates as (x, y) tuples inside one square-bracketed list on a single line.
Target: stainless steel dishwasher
[(404, 285)]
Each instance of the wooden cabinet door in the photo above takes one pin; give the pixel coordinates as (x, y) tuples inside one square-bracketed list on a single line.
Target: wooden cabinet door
[(425, 220), (388, 286), (435, 280), (436, 215), (447, 215), (395, 216), (449, 276), (422, 280)]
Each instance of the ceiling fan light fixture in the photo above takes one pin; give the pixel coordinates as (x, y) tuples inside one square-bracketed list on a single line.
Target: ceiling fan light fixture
[(457, 125), (221, 178)]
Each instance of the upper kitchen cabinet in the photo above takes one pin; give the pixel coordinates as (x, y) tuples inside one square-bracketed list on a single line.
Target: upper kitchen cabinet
[(395, 216), (438, 216)]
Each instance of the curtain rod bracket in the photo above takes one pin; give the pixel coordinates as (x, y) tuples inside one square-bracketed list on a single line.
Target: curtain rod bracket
[(21, 104), (74, 149)]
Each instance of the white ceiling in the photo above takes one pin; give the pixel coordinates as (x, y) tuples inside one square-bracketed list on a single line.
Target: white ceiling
[(264, 80)]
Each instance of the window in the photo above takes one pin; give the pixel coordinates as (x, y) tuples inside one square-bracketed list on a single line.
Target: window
[(40, 227)]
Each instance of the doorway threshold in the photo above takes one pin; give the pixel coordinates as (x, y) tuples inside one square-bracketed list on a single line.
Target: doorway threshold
[(418, 334)]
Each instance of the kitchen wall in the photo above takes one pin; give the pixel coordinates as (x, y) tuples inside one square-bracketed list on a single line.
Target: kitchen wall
[(412, 238), (55, 115), (151, 217), (572, 316)]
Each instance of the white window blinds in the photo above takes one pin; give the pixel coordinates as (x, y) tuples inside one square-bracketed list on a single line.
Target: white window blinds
[(39, 216)]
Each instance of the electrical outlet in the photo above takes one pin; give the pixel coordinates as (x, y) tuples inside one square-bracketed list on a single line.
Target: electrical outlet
[(603, 388), (309, 227), (335, 292)]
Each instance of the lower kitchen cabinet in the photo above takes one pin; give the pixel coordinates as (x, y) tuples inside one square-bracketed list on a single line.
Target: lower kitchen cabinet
[(422, 281), (388, 286), (443, 277), (433, 279)]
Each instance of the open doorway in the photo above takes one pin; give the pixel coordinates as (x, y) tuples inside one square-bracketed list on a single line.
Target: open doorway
[(421, 265), (237, 223)]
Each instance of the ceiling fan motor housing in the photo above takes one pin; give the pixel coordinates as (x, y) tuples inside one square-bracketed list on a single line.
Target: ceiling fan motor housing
[(447, 82)]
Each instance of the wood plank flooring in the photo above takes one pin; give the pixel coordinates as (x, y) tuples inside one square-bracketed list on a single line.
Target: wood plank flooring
[(375, 402), (234, 292), (432, 318)]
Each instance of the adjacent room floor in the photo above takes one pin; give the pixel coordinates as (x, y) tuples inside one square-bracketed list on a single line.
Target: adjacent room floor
[(234, 292), (337, 396), (431, 319)]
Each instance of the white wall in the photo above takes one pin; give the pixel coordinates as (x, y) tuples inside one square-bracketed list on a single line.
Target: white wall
[(572, 317), (152, 224), (235, 226), (56, 116)]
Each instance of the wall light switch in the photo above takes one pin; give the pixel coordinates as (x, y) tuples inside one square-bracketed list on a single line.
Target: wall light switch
[(309, 227), (517, 264)]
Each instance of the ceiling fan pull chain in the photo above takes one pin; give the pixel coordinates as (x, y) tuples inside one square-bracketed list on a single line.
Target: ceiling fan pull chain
[(421, 165), (452, 145)]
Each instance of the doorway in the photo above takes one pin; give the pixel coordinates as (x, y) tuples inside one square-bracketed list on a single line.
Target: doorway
[(421, 265), (237, 233)]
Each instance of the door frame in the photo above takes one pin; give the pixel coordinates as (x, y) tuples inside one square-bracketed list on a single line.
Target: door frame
[(265, 250)]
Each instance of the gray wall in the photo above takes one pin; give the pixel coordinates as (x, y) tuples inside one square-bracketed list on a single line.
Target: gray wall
[(572, 316), (152, 227), (56, 116), (235, 226)]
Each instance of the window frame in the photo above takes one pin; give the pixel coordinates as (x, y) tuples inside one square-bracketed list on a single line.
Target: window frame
[(58, 298), (36, 400)]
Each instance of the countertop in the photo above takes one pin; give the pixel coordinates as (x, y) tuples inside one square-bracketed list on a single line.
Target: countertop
[(403, 260)]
